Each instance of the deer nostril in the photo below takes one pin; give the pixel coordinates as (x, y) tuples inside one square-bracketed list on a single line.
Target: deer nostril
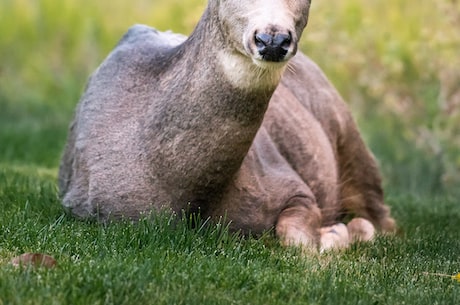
[(282, 40), (262, 40)]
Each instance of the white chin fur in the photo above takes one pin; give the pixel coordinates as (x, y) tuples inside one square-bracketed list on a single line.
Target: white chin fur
[(269, 65), (245, 72)]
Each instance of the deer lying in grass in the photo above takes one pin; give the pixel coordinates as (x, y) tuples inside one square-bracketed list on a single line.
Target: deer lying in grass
[(231, 121)]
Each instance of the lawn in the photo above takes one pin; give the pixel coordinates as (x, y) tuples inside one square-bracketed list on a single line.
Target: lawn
[(400, 76), (156, 262)]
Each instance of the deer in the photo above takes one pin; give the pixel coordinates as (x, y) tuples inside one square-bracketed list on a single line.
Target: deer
[(232, 121)]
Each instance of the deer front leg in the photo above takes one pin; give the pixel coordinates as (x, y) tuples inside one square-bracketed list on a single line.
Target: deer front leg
[(339, 235), (298, 223), (334, 237)]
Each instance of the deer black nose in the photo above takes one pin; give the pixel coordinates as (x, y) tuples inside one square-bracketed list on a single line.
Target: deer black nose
[(273, 47)]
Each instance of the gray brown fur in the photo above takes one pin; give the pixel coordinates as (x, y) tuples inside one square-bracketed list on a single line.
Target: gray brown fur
[(161, 127)]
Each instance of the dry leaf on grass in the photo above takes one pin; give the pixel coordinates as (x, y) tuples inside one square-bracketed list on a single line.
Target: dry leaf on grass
[(34, 259)]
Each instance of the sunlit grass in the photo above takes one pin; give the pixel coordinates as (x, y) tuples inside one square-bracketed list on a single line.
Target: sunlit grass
[(164, 261)]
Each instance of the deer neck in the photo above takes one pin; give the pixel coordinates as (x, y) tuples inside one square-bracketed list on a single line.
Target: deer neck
[(213, 114)]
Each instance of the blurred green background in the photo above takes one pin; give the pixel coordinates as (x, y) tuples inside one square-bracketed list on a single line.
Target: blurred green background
[(396, 62)]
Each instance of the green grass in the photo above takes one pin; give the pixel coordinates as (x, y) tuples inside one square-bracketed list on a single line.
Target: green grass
[(395, 62), (163, 261)]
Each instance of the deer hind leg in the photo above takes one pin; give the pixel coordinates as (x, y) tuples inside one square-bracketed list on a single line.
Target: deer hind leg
[(361, 192)]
